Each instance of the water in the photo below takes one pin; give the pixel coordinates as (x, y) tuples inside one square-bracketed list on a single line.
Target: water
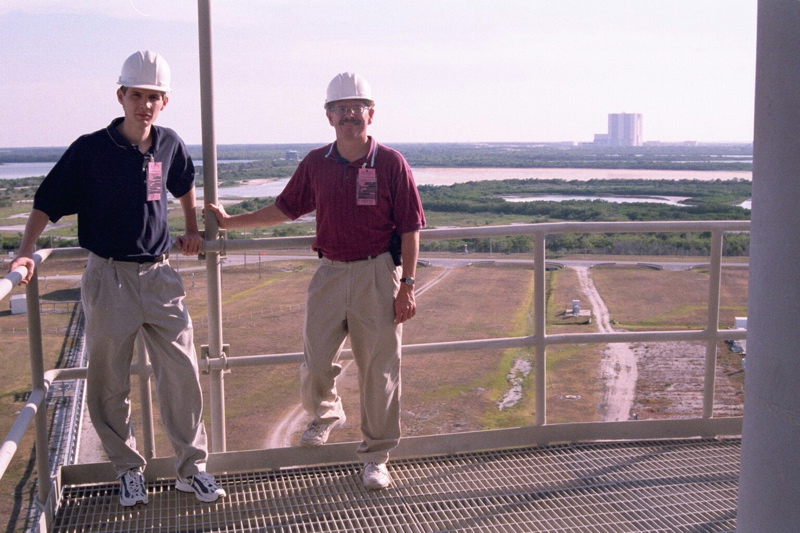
[(449, 176), (670, 200), (10, 171), (262, 189)]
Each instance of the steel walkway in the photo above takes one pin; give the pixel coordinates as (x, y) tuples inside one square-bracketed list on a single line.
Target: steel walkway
[(685, 485)]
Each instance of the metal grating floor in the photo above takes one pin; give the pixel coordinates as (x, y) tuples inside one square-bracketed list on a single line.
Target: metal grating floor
[(647, 486)]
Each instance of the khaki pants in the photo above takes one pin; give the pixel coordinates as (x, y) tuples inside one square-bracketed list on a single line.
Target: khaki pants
[(357, 300), (120, 300)]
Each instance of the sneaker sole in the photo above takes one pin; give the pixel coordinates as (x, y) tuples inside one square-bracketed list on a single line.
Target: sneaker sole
[(187, 488), (132, 503), (377, 486)]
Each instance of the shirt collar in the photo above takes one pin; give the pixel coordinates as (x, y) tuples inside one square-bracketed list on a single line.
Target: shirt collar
[(366, 161), (122, 142)]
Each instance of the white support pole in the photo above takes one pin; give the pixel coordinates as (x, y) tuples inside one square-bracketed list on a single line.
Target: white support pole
[(539, 328), (769, 486), (213, 270)]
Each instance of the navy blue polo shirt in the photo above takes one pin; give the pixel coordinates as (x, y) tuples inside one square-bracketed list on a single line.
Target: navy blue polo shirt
[(103, 178)]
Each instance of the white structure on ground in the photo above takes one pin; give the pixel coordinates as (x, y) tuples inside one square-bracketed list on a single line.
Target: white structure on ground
[(625, 129)]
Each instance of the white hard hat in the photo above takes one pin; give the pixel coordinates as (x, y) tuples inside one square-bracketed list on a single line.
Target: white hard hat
[(145, 70), (348, 86)]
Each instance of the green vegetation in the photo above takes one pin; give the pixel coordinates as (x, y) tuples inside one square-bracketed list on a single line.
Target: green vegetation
[(269, 161), (712, 199), (563, 155), (481, 203), (706, 200), (501, 155)]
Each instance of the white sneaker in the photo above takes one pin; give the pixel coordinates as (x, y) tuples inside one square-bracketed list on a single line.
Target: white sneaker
[(317, 432), (203, 485), (376, 476), (132, 489)]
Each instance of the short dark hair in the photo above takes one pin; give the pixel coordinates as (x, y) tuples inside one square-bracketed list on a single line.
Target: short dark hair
[(124, 90)]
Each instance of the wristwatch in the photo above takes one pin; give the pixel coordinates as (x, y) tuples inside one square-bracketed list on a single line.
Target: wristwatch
[(407, 281)]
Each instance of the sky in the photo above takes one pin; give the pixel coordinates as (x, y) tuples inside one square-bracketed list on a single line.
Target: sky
[(440, 70)]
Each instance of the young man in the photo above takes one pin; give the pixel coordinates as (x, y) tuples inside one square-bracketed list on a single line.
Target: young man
[(365, 200), (116, 180)]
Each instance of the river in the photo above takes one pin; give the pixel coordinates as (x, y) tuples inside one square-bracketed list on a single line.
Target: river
[(449, 176), (443, 176)]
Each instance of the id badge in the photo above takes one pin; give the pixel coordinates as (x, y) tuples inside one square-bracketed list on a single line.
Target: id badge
[(154, 181), (367, 187)]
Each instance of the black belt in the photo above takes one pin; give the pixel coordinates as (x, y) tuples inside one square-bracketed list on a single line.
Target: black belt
[(356, 260), (140, 260)]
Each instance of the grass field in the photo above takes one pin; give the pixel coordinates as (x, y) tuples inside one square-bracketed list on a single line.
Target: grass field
[(263, 307)]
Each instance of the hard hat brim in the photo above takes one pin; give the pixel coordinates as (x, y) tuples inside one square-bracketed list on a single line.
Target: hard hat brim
[(148, 87), (370, 102)]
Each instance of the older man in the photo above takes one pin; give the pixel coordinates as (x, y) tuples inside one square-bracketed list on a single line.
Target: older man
[(368, 215)]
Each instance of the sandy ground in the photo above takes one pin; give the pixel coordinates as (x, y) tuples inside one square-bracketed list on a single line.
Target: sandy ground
[(619, 368), (667, 384), (671, 382), (284, 433)]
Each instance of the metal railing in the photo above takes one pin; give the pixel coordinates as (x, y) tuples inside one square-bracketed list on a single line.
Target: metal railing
[(539, 433)]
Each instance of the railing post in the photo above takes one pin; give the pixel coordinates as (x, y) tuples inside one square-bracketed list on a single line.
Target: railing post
[(539, 319), (214, 298), (712, 324), (37, 383)]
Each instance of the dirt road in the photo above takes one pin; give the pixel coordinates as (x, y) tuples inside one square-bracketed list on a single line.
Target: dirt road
[(619, 367)]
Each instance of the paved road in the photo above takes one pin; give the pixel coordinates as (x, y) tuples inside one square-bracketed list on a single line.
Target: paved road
[(455, 261)]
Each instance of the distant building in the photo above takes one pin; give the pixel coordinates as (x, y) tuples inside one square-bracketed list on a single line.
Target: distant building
[(292, 155), (625, 129)]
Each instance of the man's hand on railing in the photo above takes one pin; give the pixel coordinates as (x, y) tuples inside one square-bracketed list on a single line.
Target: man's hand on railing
[(219, 212), (190, 243), (25, 261)]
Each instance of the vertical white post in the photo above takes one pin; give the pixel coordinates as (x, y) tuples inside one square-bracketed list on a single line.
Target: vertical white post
[(539, 328), (769, 486), (38, 383), (712, 323), (214, 298)]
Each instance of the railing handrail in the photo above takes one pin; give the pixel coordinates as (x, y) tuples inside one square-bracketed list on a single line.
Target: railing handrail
[(539, 340)]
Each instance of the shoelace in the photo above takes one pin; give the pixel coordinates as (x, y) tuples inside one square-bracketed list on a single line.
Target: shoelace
[(316, 427), (134, 484), (373, 468), (202, 478)]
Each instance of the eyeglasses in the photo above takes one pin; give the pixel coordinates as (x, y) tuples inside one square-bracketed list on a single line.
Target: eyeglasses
[(343, 109)]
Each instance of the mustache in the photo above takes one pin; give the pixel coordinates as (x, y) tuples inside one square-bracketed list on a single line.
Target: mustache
[(353, 121)]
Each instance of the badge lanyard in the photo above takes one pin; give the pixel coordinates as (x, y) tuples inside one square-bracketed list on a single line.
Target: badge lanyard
[(155, 183), (367, 184)]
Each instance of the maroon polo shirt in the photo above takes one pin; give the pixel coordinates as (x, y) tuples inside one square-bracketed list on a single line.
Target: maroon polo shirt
[(358, 209)]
